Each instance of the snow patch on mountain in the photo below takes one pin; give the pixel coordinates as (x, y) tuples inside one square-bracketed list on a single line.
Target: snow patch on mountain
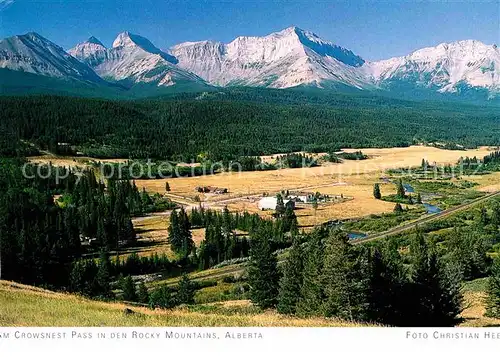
[(134, 58), (282, 59), (444, 67), (33, 53)]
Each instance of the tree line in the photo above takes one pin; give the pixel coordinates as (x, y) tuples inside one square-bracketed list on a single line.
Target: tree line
[(327, 276)]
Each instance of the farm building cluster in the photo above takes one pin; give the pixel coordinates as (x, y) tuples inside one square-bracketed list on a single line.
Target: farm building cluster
[(290, 199), (211, 189)]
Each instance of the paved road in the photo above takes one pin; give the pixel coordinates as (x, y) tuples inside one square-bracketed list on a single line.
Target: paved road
[(427, 219)]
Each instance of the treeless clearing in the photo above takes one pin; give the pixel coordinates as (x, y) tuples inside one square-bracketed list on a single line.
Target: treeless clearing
[(475, 309), (257, 182), (70, 161), (154, 236), (487, 183)]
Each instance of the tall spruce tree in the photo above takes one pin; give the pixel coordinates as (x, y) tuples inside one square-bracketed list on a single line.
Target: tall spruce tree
[(386, 281), (280, 205), (291, 280), (187, 243), (162, 297), (493, 293), (342, 279), (142, 293), (312, 293), (104, 275), (128, 288), (435, 292), (185, 291), (401, 193), (376, 191), (263, 274)]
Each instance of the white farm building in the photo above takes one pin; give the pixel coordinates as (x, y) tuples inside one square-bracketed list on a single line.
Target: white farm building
[(269, 203)]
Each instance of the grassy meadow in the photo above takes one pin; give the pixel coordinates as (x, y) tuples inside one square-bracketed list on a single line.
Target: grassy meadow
[(24, 306)]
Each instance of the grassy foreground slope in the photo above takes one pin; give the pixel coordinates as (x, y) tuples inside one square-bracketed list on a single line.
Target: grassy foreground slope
[(22, 305)]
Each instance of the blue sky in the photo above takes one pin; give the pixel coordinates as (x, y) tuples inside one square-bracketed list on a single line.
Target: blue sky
[(372, 29)]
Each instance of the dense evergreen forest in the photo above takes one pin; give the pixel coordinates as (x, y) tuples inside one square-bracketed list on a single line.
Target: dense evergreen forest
[(216, 127)]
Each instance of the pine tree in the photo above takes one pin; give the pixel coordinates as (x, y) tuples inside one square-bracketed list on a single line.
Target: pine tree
[(376, 191), (291, 280), (435, 293), (495, 217), (401, 193), (128, 288), (77, 278), (398, 208), (185, 291), (419, 198), (142, 293), (386, 281), (103, 275), (493, 293), (174, 232), (483, 218), (342, 279), (263, 275), (186, 239), (167, 187), (280, 205), (312, 294), (289, 219), (162, 297)]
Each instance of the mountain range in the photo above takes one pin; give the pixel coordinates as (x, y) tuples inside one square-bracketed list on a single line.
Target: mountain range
[(289, 58)]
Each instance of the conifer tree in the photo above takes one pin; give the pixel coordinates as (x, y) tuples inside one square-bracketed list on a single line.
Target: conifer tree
[(142, 293), (186, 239), (419, 198), (162, 297), (398, 208), (483, 219), (280, 205), (386, 281), (103, 275), (263, 275), (167, 187), (342, 279), (493, 292), (128, 288), (376, 191), (495, 217), (291, 280), (174, 232), (401, 193), (312, 294), (289, 219), (185, 291), (435, 293)]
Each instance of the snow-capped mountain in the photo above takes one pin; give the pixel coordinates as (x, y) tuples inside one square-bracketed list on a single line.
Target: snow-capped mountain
[(284, 59), (132, 58), (280, 60), (35, 54), (445, 68)]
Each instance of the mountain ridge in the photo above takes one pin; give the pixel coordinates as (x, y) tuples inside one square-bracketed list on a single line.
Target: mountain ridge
[(285, 59)]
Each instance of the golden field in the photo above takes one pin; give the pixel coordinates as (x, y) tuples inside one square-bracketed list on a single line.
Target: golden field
[(352, 179)]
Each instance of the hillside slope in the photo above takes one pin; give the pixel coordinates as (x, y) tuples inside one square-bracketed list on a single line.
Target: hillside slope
[(22, 305)]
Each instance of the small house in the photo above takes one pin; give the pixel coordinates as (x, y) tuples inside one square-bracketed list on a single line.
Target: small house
[(269, 203)]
